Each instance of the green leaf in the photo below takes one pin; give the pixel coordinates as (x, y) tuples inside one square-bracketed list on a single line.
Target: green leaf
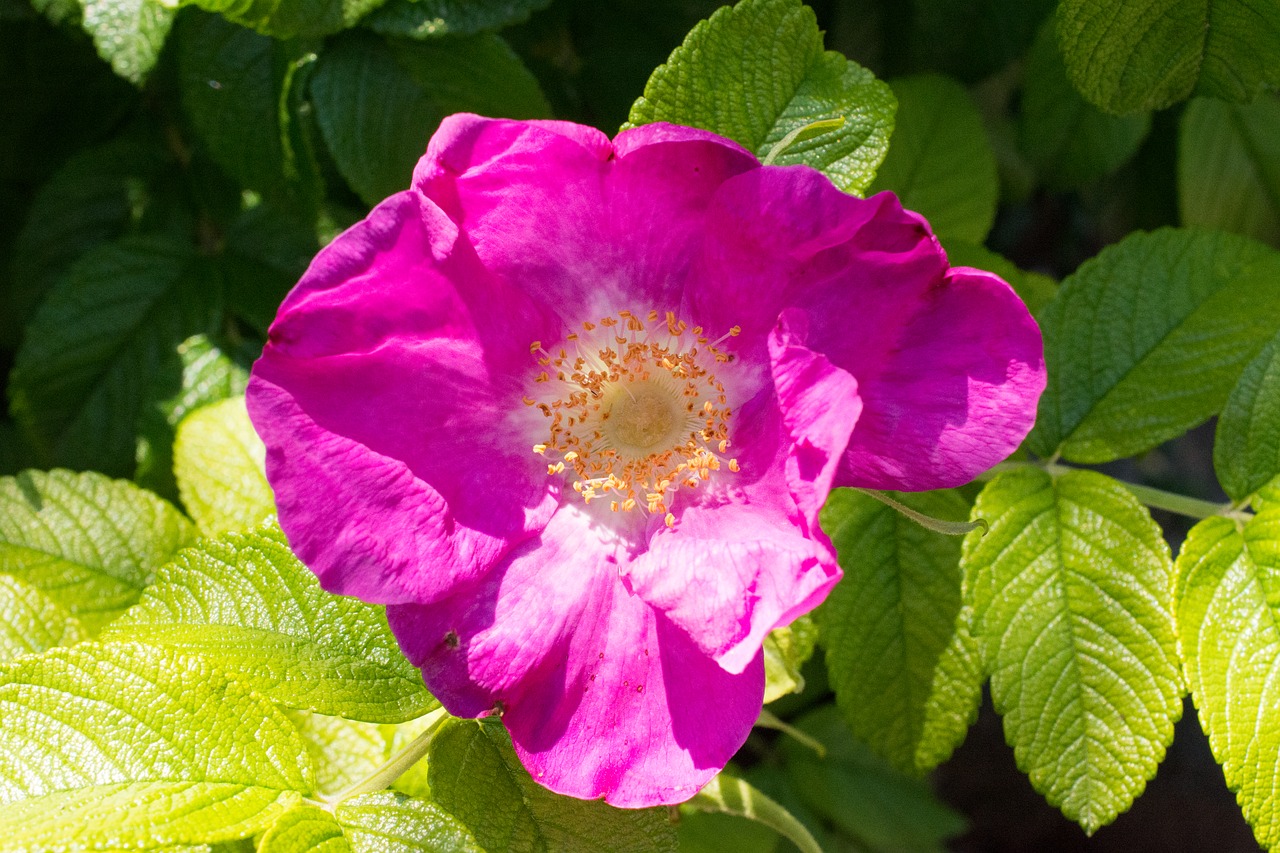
[(1246, 448), (303, 829), (387, 822), (378, 101), (756, 72), (138, 747), (342, 751), (286, 19), (1070, 591), (1131, 55), (218, 460), (1229, 167), (245, 603), (384, 822), (86, 541), (785, 650), (236, 88), (1228, 611), (1146, 340), (1033, 288), (1067, 138), (209, 374), (432, 18), (98, 195), (30, 621), (939, 162), (899, 655), (882, 809), (475, 775), (128, 33), (268, 249), (96, 346), (727, 794)]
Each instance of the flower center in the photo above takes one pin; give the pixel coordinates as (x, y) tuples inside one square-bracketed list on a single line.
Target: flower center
[(634, 409)]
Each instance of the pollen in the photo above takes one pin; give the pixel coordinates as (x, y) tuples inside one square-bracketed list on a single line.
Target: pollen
[(633, 408)]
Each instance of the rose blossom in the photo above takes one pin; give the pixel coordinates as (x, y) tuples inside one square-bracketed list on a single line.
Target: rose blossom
[(570, 407)]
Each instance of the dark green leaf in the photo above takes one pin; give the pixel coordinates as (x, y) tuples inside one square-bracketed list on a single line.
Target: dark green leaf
[(757, 72), (1246, 449), (89, 543), (284, 19), (882, 809), (940, 163), (432, 18), (236, 88), (1131, 55), (1067, 138), (475, 775), (97, 196), (900, 658), (1146, 340), (97, 346), (1070, 593), (1229, 167), (247, 604), (378, 102)]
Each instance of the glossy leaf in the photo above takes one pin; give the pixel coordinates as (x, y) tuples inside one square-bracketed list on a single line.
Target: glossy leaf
[(475, 775), (899, 655), (1229, 629), (1146, 340), (939, 162), (1130, 55), (1229, 166), (152, 749), (757, 72), (88, 542), (1070, 592)]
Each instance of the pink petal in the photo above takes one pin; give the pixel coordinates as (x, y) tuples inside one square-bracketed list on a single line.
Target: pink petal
[(381, 397), (956, 395), (948, 363), (602, 697), (586, 227)]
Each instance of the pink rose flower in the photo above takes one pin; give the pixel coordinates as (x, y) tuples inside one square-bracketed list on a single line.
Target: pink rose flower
[(570, 408)]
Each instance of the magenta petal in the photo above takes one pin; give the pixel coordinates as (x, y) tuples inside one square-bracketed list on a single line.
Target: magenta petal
[(377, 398), (582, 226), (726, 576), (957, 393), (602, 698)]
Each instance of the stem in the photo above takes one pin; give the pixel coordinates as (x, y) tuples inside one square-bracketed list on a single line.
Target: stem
[(788, 140), (1152, 497), (937, 525), (395, 766)]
